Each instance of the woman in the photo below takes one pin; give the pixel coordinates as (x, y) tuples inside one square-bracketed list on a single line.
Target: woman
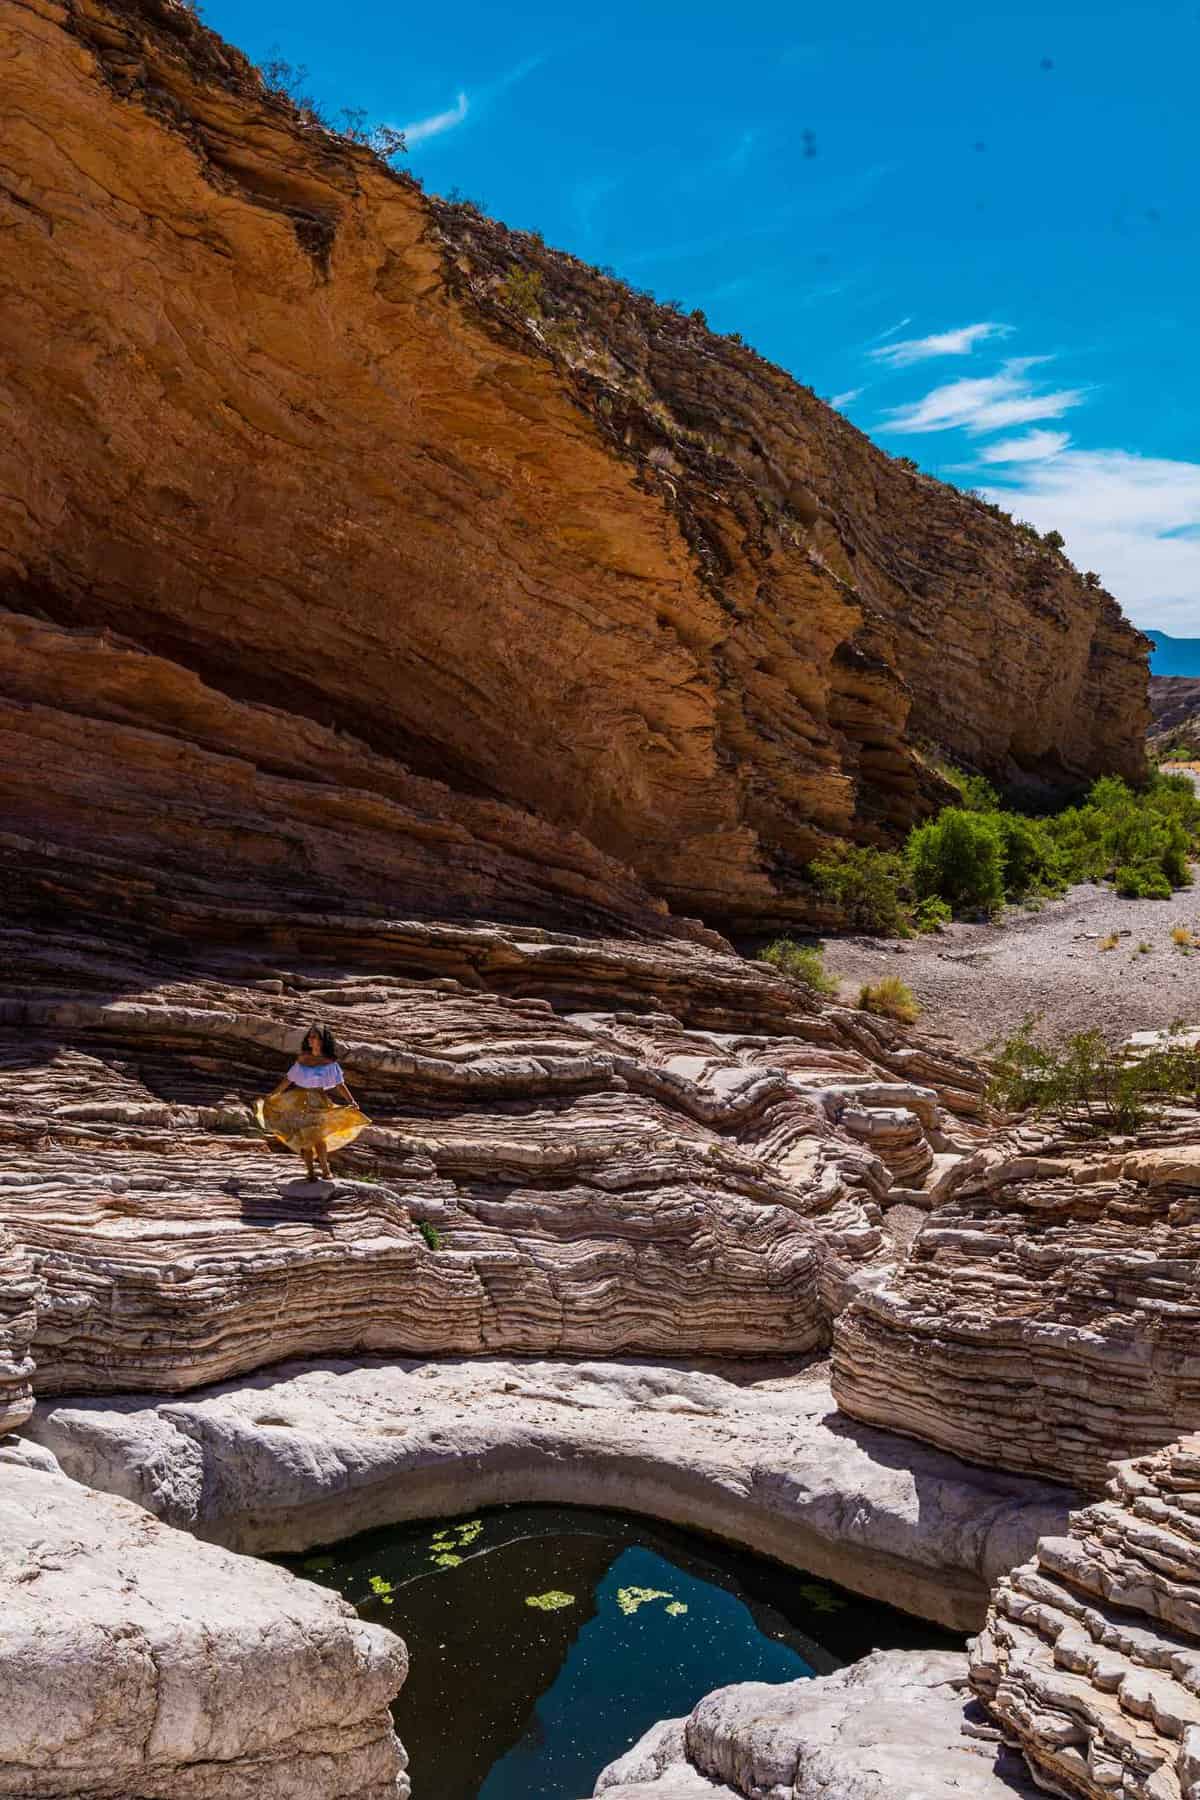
[(300, 1111)]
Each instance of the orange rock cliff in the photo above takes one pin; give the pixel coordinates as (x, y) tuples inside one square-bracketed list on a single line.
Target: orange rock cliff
[(352, 545)]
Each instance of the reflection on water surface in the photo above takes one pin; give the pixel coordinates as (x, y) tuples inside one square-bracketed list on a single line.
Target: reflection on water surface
[(545, 1640)]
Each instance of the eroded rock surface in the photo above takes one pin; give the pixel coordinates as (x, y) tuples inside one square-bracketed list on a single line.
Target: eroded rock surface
[(1048, 1316), (890, 1727), (138, 1664), (421, 588), (557, 1163), (304, 1454), (20, 1290), (1090, 1660)]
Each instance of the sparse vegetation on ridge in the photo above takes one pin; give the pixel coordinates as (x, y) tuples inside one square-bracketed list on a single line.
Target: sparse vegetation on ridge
[(1085, 1081)]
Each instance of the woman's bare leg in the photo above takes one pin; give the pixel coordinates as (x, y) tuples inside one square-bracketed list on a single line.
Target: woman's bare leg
[(323, 1153), (309, 1166)]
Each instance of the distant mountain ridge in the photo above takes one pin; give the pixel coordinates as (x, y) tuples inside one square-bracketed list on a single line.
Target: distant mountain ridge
[(1174, 656)]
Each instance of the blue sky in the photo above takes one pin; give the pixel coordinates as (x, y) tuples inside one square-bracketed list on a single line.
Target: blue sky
[(976, 229)]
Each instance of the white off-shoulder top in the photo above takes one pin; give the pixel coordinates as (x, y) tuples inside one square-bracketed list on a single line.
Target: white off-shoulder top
[(316, 1075)]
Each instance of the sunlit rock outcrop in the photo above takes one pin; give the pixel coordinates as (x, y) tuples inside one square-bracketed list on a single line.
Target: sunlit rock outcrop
[(137, 1662), (888, 1726), (420, 585), (1090, 1660), (1047, 1317), (305, 1453), (556, 1163)]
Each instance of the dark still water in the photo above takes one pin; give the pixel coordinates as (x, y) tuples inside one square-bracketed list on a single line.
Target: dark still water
[(545, 1640)]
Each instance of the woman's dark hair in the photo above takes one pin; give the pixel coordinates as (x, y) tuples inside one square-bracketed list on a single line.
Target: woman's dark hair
[(328, 1043)]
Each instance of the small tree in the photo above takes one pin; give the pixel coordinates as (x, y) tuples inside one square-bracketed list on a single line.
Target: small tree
[(960, 856), (1054, 540), (870, 887), (523, 292)]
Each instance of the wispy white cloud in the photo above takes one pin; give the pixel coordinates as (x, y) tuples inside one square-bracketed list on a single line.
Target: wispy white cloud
[(1134, 519), (892, 330), (1035, 446), (942, 343), (473, 106), (436, 123), (840, 400), (529, 65), (987, 403), (587, 203)]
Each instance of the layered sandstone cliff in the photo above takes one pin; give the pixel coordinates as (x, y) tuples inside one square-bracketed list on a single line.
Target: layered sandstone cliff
[(1175, 714), (329, 564), (1046, 1318), (557, 1161)]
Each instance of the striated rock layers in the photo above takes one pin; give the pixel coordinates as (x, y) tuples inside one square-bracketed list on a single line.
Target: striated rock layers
[(557, 1162), (1175, 714), (452, 576), (1048, 1316), (1090, 1660), (137, 1664), (887, 1728)]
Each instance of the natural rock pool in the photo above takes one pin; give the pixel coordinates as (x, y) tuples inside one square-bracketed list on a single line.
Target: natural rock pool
[(545, 1640)]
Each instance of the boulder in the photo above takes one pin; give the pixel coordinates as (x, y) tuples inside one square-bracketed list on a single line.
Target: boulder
[(139, 1664), (898, 1725)]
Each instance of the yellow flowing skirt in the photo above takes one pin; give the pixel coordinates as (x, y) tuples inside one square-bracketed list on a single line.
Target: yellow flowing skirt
[(305, 1118)]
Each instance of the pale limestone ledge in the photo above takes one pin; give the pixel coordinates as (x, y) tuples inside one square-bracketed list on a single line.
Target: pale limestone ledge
[(891, 1727), (308, 1453), (138, 1664)]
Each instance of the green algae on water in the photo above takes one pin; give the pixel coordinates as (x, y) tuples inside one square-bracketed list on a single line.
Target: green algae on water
[(381, 1589), (630, 1598), (550, 1602), (676, 1609)]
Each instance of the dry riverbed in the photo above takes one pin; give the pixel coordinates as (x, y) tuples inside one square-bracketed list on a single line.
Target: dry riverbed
[(976, 982)]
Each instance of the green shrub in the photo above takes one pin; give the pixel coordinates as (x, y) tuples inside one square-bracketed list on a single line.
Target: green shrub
[(1084, 1081), (959, 856), (1143, 883), (1028, 855), (978, 794), (1141, 841), (890, 997), (803, 962), (523, 292), (430, 1233), (870, 887), (931, 914)]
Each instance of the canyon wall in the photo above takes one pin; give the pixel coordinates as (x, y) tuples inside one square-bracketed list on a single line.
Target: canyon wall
[(352, 545)]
